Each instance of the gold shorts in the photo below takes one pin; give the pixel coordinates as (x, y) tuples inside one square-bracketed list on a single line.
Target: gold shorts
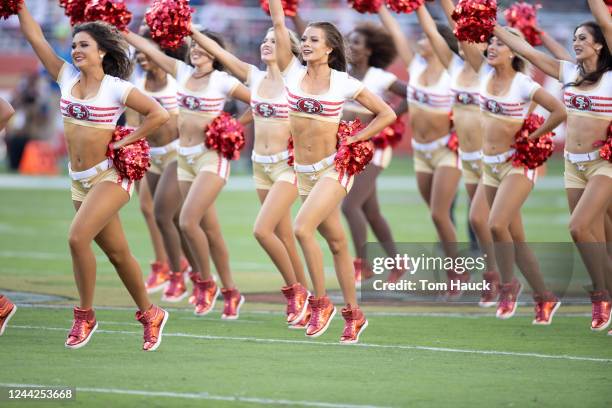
[(578, 172), (268, 170), (309, 174), (382, 157), (162, 156), (429, 156), (495, 172), (471, 166), (195, 159), (83, 181)]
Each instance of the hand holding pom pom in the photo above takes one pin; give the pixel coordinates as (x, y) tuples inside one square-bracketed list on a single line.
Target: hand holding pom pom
[(225, 135), (366, 6), (131, 161), (112, 12), (475, 20), (169, 21), (352, 158), (522, 16), (290, 7), (9, 7), (532, 153)]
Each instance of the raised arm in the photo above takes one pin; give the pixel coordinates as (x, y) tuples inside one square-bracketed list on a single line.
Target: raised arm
[(602, 16), (6, 112), (238, 68), (281, 34), (448, 7), (153, 116), (144, 45), (33, 33), (404, 50), (471, 53), (556, 49), (549, 65), (384, 115), (557, 112), (439, 45)]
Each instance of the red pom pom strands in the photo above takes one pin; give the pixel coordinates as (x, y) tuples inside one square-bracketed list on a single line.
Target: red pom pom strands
[(532, 153), (475, 20), (225, 135), (290, 148), (131, 161), (522, 16), (75, 10), (606, 150), (453, 141), (112, 12), (352, 158), (365, 6), (9, 7), (404, 6), (391, 135), (169, 21), (289, 6)]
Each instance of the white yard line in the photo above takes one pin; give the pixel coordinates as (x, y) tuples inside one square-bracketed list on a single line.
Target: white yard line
[(330, 344), (197, 396)]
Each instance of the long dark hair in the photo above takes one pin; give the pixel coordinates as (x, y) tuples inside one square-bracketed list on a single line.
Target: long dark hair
[(116, 61), (334, 40), (379, 42), (447, 33), (216, 37), (604, 61)]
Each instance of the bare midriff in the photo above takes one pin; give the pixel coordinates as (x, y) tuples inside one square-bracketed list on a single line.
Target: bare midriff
[(584, 131), (498, 133), (192, 127), (313, 140), (87, 146), (166, 133), (427, 125), (271, 137), (467, 122)]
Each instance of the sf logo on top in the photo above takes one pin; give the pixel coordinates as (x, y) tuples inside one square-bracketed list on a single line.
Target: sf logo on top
[(265, 110), (78, 111), (191, 102), (581, 102), (492, 106), (421, 97), (464, 98), (311, 106)]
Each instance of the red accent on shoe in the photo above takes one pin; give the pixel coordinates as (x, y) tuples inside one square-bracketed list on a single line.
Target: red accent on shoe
[(601, 306), (508, 298), (158, 278), (297, 300), (194, 277), (206, 297), (323, 311), (545, 308), (354, 324), (455, 278), (488, 298), (7, 311), (302, 324), (396, 275), (153, 321), (176, 290), (233, 300), (83, 327)]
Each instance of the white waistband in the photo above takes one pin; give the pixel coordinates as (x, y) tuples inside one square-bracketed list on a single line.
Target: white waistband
[(318, 166), (581, 157), (431, 146), (498, 158), (470, 156), (90, 172), (162, 150), (275, 158), (190, 150)]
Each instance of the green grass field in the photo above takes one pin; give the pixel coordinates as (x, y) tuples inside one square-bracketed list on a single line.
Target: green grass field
[(413, 355)]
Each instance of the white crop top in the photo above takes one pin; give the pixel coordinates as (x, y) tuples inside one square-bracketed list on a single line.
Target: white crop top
[(165, 97), (377, 81), (266, 109), (208, 101), (596, 102), (514, 104), (327, 106), (101, 111), (437, 98), (465, 97)]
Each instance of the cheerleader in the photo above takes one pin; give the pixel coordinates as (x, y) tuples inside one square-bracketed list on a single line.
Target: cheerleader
[(275, 180), (506, 94), (437, 166), (202, 91), (7, 308), (94, 95), (372, 50), (161, 182), (587, 94), (316, 94)]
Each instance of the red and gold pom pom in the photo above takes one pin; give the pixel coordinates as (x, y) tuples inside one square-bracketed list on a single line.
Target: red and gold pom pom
[(453, 141), (113, 12), (352, 158), (225, 135), (366, 6), (290, 149), (131, 161), (391, 135), (75, 10), (404, 6), (606, 150), (522, 16), (532, 153), (290, 7), (475, 20), (9, 8), (169, 21)]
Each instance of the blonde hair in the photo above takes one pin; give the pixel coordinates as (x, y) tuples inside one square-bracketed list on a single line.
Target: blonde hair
[(294, 40)]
